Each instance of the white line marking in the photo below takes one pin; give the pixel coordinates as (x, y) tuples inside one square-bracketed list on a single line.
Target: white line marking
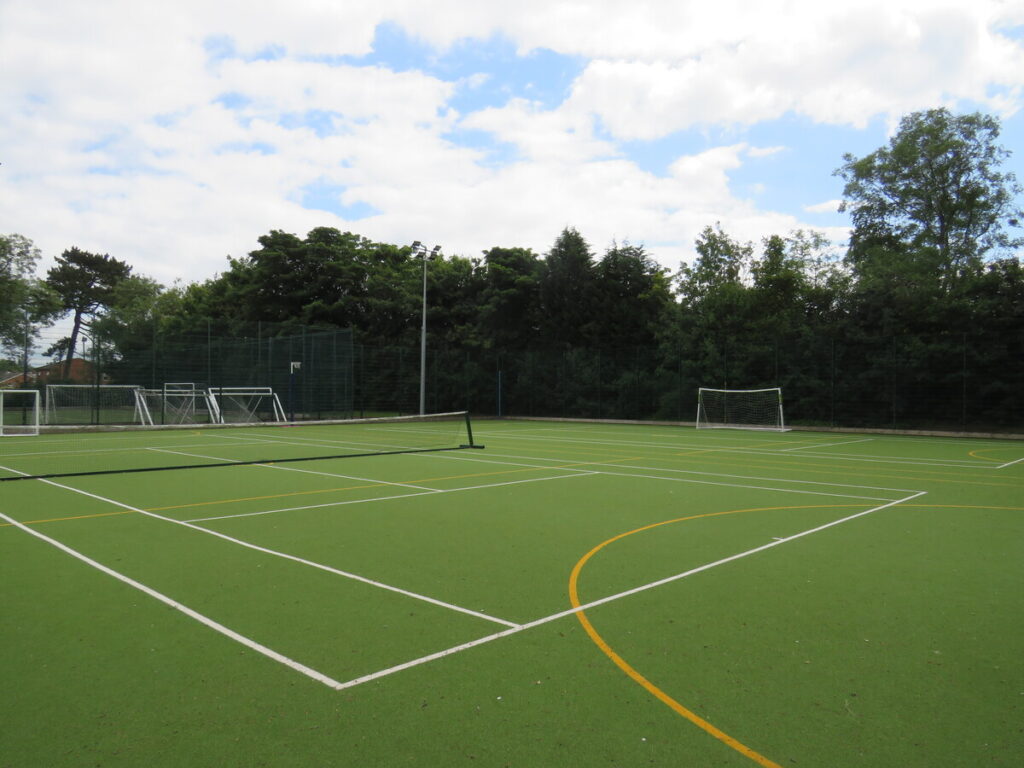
[(741, 485), (827, 445), (612, 598), (693, 472), (190, 455), (1011, 463), (287, 468), (896, 460), (286, 556), (386, 498), (269, 465), (195, 615)]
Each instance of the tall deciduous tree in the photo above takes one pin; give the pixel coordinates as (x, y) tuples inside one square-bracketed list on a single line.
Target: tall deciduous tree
[(26, 303), (935, 192), (18, 258), (85, 283)]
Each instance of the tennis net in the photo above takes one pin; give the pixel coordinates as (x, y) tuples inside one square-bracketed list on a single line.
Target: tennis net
[(73, 451)]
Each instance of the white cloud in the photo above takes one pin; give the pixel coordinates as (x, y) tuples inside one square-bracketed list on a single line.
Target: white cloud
[(114, 139), (829, 206)]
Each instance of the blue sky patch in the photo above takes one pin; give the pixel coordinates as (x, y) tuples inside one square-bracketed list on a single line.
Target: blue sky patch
[(495, 153), (541, 76), (233, 100), (322, 122), (322, 195)]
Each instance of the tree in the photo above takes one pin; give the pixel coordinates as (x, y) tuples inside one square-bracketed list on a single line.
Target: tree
[(720, 265), (935, 192), (85, 283), (18, 258), (510, 298), (633, 294), (566, 290), (26, 303)]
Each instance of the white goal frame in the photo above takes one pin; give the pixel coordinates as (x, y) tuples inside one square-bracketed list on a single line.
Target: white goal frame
[(20, 430), (219, 396), (140, 413), (181, 403), (757, 409)]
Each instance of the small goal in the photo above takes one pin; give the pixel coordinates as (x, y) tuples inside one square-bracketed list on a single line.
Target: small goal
[(95, 404), (740, 409), (179, 403), (19, 412), (245, 405)]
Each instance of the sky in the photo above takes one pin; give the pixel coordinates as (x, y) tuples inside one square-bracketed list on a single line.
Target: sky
[(173, 135)]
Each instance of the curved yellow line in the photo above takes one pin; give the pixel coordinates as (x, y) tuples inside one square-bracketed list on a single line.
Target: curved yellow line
[(626, 667), (650, 687), (976, 453)]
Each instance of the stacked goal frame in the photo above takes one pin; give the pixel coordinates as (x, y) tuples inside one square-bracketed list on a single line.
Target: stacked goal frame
[(96, 404), (759, 409), (19, 412)]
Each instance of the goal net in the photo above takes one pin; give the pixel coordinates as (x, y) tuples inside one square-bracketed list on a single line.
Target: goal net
[(95, 404), (19, 412), (246, 405), (180, 403), (740, 409)]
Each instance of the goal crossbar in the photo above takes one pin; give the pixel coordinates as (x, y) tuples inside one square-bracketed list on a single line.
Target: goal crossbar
[(759, 409), (19, 412)]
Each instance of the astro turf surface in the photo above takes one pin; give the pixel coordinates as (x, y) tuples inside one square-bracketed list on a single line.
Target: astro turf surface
[(573, 595)]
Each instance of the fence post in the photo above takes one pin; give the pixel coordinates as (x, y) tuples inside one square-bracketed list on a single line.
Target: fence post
[(963, 393)]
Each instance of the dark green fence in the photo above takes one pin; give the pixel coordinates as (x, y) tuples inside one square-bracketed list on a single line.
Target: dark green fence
[(952, 381)]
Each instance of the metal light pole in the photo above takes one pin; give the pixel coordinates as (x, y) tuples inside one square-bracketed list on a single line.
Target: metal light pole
[(421, 250)]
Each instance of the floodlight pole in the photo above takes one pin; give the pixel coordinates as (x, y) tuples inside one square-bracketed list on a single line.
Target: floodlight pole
[(421, 250)]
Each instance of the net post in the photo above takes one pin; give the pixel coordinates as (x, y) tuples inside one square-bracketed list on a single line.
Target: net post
[(469, 434)]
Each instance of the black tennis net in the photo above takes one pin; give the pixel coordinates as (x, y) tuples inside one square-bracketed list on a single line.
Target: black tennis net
[(73, 451)]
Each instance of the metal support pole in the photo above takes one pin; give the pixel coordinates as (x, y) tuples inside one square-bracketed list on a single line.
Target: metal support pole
[(423, 342), (419, 248)]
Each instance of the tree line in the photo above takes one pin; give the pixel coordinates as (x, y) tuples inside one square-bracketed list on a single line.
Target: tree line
[(933, 256)]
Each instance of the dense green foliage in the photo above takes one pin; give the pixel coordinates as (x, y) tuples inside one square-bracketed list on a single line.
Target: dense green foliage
[(920, 322), (26, 303)]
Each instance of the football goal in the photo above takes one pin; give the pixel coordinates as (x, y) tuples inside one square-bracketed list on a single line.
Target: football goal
[(740, 409), (19, 412), (180, 403), (246, 405), (96, 404)]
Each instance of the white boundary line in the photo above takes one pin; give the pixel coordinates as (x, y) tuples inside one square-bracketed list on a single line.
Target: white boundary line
[(1011, 463), (205, 620), (611, 598), (826, 445), (512, 627), (452, 457), (895, 460), (286, 556), (387, 498), (297, 469)]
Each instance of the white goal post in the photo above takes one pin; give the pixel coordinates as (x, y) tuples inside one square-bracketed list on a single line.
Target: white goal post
[(19, 412), (178, 403), (246, 405), (96, 403), (740, 409)]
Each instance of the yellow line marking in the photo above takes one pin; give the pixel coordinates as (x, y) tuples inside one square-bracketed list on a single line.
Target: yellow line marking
[(626, 667), (650, 687), (976, 453), (322, 490), (491, 473)]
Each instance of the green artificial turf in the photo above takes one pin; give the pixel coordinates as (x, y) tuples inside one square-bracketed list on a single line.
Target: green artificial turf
[(892, 638)]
